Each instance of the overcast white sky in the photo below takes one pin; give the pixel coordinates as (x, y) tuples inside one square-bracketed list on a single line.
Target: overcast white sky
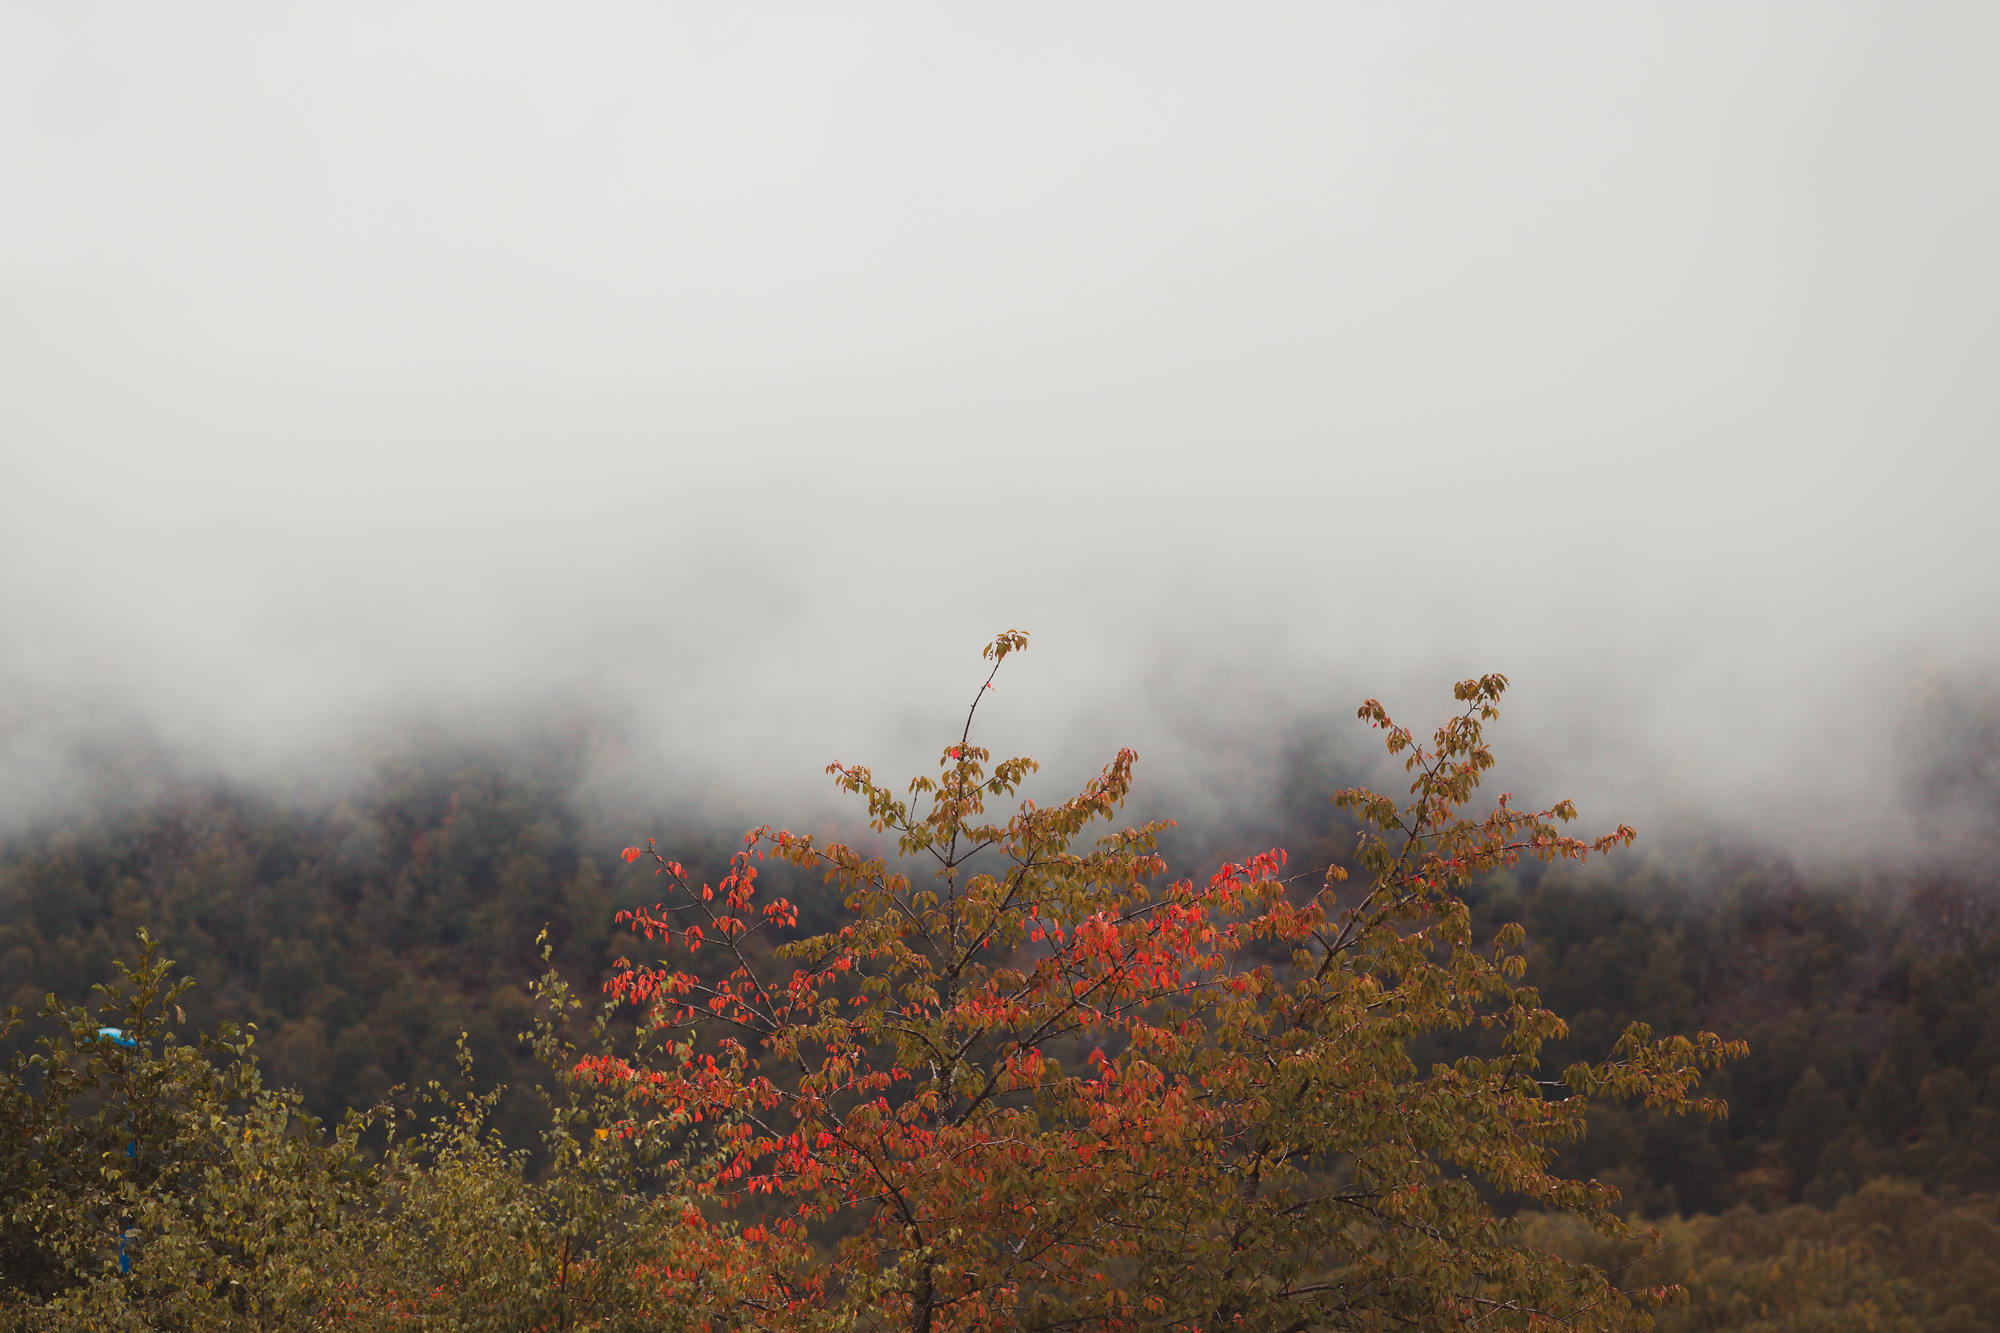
[(737, 371)]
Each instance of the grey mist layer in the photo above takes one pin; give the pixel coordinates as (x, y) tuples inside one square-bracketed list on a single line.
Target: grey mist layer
[(728, 375)]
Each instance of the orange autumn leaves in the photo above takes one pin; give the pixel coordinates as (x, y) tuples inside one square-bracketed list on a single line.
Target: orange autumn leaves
[(1035, 1082)]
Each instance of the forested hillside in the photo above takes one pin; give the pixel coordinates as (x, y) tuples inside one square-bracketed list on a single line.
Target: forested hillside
[(360, 940)]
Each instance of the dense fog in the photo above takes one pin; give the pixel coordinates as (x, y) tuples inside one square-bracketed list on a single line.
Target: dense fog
[(714, 383)]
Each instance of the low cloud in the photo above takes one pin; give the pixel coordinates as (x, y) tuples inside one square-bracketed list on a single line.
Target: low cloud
[(729, 382)]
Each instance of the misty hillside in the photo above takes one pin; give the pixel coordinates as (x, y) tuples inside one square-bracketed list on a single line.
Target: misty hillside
[(362, 938), (443, 447)]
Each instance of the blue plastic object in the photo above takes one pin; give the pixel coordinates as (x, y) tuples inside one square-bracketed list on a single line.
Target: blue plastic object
[(117, 1037)]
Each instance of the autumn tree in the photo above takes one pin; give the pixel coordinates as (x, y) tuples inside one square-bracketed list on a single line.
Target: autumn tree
[(1031, 1081)]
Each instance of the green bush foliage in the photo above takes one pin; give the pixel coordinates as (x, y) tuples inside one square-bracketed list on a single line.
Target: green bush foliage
[(152, 1182)]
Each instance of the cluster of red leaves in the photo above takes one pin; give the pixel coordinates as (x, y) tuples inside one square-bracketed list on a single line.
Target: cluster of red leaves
[(847, 1128)]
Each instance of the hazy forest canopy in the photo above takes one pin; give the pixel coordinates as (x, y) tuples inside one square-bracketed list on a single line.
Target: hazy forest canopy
[(362, 941)]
